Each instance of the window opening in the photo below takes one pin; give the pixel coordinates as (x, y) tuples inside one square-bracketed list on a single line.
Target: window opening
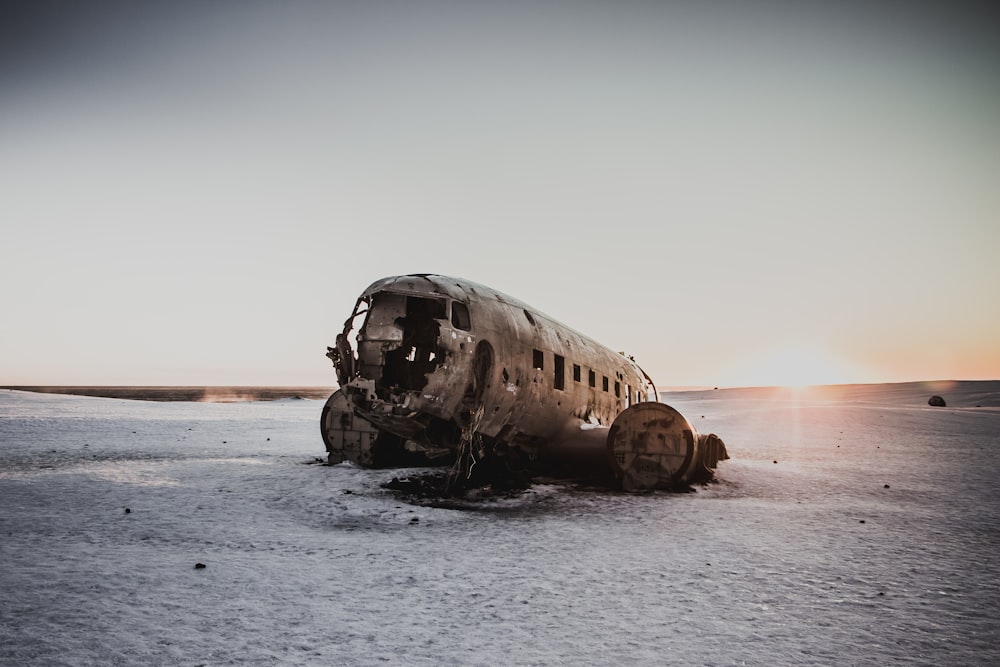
[(605, 383), (538, 359), (618, 390), (416, 356), (576, 372), (559, 372), (460, 316), (530, 318), (592, 379)]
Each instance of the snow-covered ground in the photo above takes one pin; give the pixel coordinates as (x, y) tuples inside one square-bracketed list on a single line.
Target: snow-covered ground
[(853, 526)]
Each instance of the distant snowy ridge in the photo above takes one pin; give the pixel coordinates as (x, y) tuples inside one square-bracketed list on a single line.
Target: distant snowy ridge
[(956, 393), (196, 394)]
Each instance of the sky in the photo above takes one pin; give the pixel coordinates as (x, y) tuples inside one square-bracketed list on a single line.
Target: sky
[(734, 193)]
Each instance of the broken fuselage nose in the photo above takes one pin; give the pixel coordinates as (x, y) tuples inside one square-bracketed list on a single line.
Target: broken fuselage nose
[(410, 369)]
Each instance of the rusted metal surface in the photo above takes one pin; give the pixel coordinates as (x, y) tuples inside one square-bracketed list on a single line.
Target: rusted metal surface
[(652, 446), (347, 436), (430, 364)]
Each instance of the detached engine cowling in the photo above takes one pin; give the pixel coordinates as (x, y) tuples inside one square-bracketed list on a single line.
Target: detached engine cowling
[(652, 446)]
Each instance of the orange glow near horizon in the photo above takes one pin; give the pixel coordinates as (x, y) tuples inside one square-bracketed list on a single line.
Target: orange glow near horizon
[(796, 366)]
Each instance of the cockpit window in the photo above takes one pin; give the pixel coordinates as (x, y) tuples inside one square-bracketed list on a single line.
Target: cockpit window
[(460, 316)]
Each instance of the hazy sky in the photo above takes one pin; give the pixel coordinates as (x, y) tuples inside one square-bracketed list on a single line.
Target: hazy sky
[(735, 193)]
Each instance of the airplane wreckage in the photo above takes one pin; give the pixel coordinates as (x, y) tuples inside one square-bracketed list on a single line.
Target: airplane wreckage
[(436, 370)]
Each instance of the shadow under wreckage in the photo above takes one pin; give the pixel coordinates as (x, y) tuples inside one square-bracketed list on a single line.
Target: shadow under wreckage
[(443, 371)]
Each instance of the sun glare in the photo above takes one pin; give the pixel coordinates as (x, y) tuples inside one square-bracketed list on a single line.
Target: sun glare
[(796, 366)]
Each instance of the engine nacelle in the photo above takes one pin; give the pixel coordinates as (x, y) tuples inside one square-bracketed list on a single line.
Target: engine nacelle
[(652, 446)]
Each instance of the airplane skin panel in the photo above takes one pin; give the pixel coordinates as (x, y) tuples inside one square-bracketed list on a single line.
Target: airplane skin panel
[(445, 369)]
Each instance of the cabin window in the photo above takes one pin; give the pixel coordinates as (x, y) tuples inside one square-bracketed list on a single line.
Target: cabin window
[(530, 318), (592, 379), (605, 383), (576, 372), (618, 390), (538, 359), (559, 372), (460, 316), (628, 395)]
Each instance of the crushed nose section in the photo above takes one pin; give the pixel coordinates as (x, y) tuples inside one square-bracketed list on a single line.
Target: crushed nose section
[(652, 446), (397, 346)]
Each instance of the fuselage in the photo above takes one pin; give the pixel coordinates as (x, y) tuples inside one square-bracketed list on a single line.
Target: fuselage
[(436, 356)]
